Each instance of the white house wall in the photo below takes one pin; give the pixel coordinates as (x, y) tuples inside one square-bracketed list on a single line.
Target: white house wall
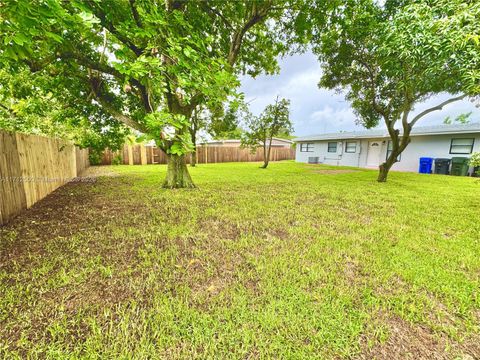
[(339, 158), (435, 146)]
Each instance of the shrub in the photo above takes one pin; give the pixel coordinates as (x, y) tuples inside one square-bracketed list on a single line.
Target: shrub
[(475, 161), (95, 156), (117, 160)]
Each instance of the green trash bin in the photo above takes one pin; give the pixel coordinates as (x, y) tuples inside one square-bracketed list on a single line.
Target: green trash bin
[(460, 166)]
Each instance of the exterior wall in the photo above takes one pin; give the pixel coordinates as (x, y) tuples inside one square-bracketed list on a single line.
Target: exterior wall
[(341, 157), (435, 146)]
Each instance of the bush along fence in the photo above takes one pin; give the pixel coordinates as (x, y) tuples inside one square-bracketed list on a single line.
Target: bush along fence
[(142, 155), (33, 166)]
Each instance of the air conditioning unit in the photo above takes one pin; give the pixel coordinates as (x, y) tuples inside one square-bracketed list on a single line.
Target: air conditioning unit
[(313, 160)]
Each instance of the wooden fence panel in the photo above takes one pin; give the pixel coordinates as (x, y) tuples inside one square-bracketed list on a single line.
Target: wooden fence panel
[(33, 166), (81, 160), (12, 194), (139, 154)]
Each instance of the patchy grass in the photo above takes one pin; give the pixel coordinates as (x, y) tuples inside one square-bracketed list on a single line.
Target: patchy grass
[(294, 261)]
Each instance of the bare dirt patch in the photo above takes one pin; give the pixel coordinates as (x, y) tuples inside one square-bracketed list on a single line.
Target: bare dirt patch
[(97, 171), (414, 341)]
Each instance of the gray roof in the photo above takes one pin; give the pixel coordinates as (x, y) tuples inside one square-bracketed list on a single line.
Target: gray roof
[(383, 133)]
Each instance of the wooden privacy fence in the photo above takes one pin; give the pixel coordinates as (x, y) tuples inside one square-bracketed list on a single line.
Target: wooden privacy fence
[(33, 166), (142, 155)]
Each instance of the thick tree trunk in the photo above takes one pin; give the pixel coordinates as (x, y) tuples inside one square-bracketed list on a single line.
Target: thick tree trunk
[(177, 173)]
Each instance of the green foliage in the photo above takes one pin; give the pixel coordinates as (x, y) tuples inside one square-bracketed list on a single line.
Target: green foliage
[(273, 121), (227, 124), (461, 119), (137, 58), (390, 58), (32, 103), (475, 159), (117, 160), (97, 140)]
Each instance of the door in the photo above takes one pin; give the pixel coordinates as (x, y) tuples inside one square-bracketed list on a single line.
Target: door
[(373, 156)]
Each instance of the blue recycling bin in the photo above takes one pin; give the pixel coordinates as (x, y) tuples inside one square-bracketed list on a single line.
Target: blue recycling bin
[(425, 165)]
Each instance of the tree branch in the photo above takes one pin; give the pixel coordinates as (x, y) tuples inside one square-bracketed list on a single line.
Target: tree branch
[(11, 112), (436, 108), (111, 28), (257, 15), (135, 14), (219, 14), (371, 75), (127, 120)]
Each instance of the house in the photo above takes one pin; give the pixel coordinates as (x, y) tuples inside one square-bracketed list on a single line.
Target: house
[(370, 148), (276, 142)]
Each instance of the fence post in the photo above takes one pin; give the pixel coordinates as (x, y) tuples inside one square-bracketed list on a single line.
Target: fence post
[(130, 154), (143, 155)]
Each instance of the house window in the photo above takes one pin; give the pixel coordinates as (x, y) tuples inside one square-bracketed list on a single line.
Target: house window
[(308, 147), (389, 151), (332, 147), (461, 146), (350, 146)]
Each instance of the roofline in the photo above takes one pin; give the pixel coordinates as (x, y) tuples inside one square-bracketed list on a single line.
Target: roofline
[(238, 140), (349, 136)]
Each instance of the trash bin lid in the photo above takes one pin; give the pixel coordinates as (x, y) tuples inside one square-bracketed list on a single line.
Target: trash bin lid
[(460, 160)]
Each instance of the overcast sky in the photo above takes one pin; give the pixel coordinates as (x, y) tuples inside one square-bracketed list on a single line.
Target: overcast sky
[(314, 110)]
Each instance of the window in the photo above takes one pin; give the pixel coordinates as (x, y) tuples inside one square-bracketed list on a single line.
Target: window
[(461, 146), (389, 150), (306, 147), (350, 146), (332, 147)]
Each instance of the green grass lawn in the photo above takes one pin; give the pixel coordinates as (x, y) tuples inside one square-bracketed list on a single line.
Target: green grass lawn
[(294, 261)]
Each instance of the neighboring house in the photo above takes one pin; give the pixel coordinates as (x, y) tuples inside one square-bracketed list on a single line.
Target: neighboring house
[(370, 148), (276, 142)]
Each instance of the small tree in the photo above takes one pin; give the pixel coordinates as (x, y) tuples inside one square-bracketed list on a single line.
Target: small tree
[(391, 57), (273, 121)]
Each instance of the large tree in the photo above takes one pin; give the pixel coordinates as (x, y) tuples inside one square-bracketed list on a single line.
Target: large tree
[(149, 64), (391, 56)]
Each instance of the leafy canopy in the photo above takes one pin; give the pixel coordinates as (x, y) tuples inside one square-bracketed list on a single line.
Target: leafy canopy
[(148, 64), (36, 105), (389, 57)]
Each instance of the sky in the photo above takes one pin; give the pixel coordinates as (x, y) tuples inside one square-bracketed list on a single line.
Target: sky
[(316, 111)]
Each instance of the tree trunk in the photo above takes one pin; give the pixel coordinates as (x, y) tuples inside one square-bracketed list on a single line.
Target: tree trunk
[(193, 159), (265, 162), (177, 173), (266, 154), (383, 173), (193, 136), (392, 159)]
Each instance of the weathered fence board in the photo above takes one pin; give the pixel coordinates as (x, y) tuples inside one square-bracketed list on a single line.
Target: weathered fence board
[(81, 158), (33, 166), (141, 155)]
